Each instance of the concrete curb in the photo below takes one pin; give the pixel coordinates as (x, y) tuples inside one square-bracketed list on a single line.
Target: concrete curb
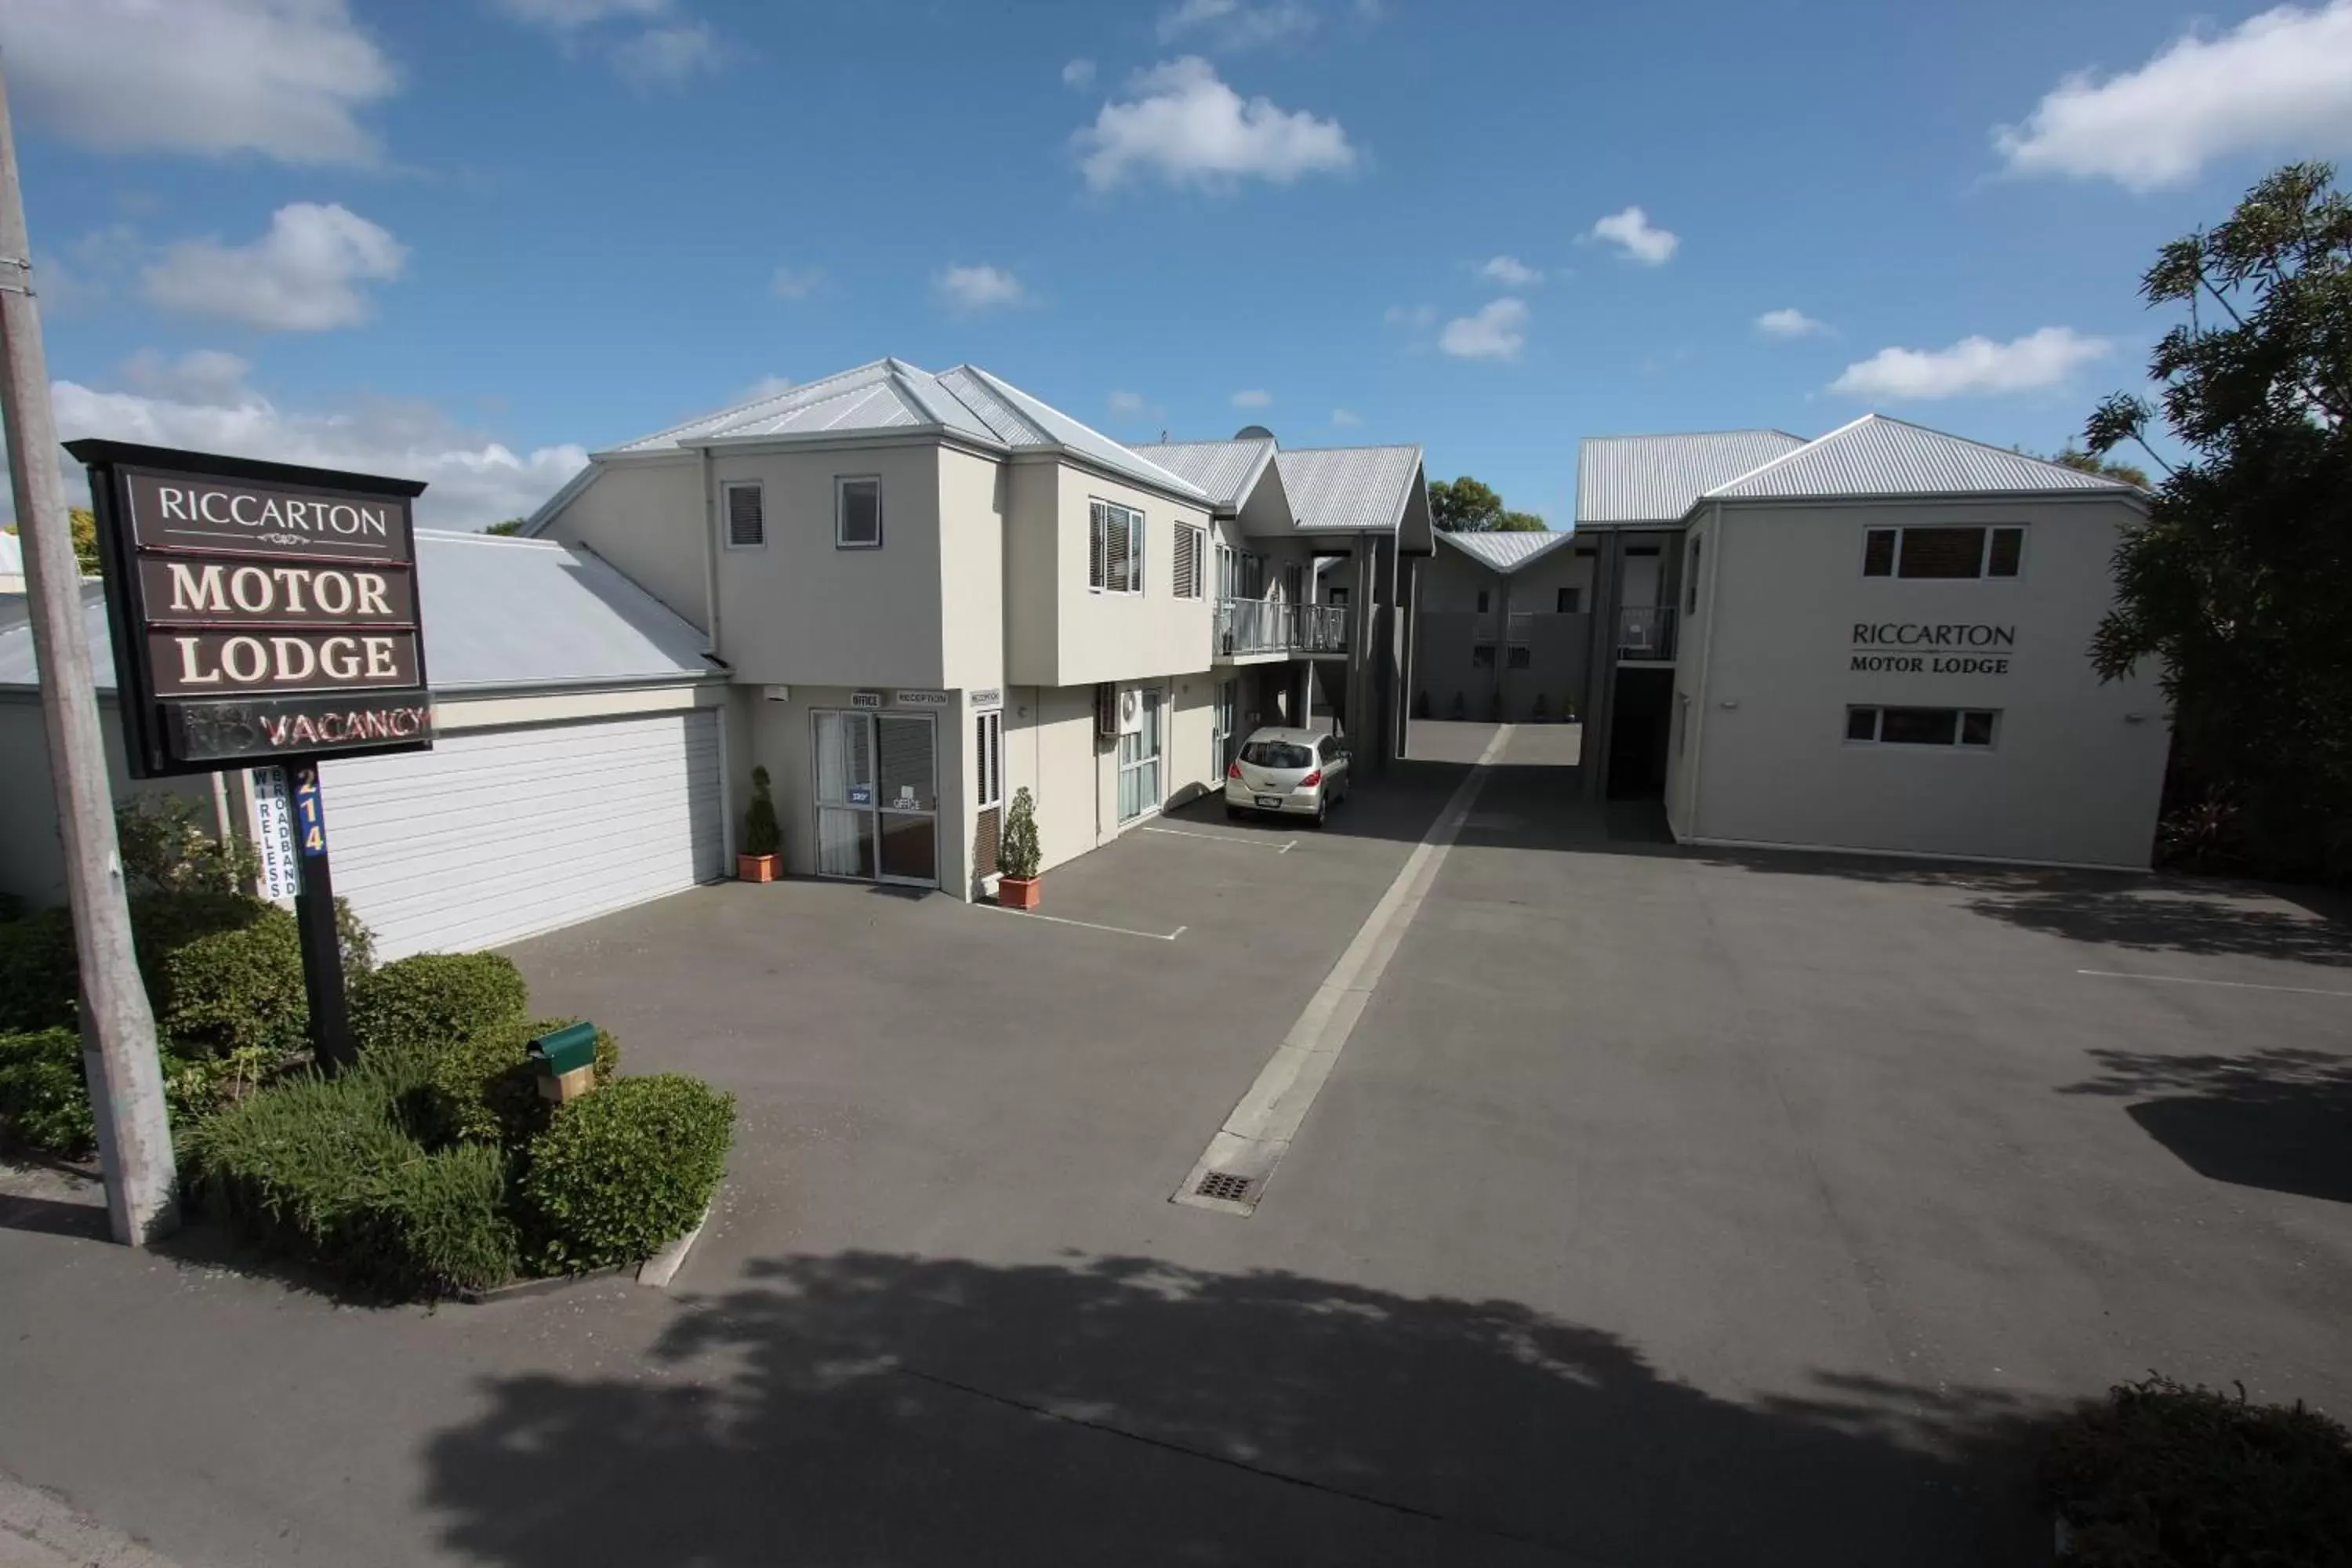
[(663, 1266), (41, 1530)]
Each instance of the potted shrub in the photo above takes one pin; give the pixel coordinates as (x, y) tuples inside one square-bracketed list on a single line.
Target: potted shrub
[(763, 839), (1016, 855)]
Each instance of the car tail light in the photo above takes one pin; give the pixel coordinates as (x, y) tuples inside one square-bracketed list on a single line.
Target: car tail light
[(1233, 770), (1311, 780)]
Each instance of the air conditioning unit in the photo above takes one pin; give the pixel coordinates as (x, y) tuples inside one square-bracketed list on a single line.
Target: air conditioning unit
[(1130, 711), (1106, 711)]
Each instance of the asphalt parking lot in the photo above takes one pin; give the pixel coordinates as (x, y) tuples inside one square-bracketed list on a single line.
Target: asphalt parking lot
[(1657, 1208)]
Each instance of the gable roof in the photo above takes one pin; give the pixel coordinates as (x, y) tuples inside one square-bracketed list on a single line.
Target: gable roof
[(1352, 489), (499, 613), (891, 396), (1226, 470), (1654, 479), (1877, 456), (1507, 553)]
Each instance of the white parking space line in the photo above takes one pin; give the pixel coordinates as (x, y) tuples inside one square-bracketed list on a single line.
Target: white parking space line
[(1090, 925), (1283, 849), (2227, 984), (1233, 1171)]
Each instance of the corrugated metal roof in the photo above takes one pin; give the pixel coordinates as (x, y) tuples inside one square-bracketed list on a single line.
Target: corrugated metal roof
[(891, 394), (1875, 456), (497, 613), (1654, 479), (1352, 489), (1225, 470), (1505, 552)]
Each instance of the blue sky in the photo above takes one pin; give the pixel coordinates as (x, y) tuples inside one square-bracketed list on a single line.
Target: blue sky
[(466, 240)]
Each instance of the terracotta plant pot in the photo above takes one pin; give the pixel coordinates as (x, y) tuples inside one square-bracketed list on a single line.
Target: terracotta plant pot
[(758, 868), (1017, 892)]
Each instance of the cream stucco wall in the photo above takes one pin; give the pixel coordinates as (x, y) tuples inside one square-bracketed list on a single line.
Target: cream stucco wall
[(1066, 632), (801, 610), (2077, 768), (644, 516)]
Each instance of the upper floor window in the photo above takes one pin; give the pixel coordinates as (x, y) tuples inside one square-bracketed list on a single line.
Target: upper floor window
[(1691, 602), (1922, 726), (1192, 548), (1482, 601), (1115, 553), (745, 505), (1568, 598), (858, 514), (1945, 553)]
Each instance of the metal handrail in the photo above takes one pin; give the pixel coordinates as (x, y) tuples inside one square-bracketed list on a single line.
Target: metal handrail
[(1646, 631), (1277, 625)]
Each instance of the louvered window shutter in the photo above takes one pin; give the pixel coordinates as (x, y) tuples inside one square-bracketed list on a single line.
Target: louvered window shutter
[(1097, 546), (747, 520), (1116, 553)]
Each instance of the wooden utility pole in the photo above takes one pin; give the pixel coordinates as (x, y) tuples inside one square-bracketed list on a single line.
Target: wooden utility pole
[(118, 1027)]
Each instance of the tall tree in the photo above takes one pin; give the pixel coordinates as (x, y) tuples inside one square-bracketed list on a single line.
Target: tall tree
[(1521, 522), (511, 526), (2237, 586), (1464, 506), (2076, 457)]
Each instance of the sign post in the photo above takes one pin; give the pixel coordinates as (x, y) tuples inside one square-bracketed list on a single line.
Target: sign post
[(263, 614)]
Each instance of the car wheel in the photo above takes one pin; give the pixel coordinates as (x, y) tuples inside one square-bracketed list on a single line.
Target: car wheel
[(1322, 810)]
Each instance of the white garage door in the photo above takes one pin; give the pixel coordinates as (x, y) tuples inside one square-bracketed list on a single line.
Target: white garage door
[(496, 834)]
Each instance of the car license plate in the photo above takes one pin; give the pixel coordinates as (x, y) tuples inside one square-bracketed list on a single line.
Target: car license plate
[(1270, 802)]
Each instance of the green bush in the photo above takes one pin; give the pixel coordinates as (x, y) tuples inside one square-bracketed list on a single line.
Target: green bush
[(2163, 1476), (623, 1171), (165, 850), (1016, 851), (761, 833), (236, 989), (437, 999), (330, 1170), (44, 1103), (38, 970), (486, 1089)]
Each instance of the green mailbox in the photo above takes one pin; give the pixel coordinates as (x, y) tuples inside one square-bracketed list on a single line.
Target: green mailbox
[(565, 1058)]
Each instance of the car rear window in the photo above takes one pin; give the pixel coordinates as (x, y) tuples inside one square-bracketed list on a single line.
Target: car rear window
[(1278, 754)]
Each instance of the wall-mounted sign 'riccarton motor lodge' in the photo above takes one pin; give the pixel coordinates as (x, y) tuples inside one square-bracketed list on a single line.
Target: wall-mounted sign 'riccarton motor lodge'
[(259, 611)]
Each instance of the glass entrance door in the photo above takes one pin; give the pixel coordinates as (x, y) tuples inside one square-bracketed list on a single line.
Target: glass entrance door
[(877, 797), (1138, 760), (909, 801)]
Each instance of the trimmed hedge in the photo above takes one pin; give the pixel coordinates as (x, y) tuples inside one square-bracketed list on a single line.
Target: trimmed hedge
[(436, 999), (330, 1170), (2166, 1475), (223, 971), (623, 1171), (44, 1103), (486, 1089)]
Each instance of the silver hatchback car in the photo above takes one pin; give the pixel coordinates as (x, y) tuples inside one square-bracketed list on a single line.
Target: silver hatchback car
[(1293, 771)]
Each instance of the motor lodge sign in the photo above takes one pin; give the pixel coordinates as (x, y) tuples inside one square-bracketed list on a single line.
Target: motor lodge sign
[(259, 611)]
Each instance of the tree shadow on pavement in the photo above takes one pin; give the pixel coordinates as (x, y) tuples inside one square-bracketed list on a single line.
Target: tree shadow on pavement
[(878, 1410), (2278, 1119)]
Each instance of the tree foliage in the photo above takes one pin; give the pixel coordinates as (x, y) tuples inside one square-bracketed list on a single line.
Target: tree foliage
[(84, 523), (507, 528), (1465, 506), (2237, 586), (2078, 458)]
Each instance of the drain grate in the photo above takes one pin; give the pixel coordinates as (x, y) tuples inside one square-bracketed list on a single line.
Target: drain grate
[(1217, 1185)]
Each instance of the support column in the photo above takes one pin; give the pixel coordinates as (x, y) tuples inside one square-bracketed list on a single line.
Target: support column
[(1601, 669), (1502, 682)]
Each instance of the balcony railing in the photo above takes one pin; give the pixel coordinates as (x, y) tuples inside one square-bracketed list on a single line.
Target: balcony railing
[(1276, 626), (1646, 631)]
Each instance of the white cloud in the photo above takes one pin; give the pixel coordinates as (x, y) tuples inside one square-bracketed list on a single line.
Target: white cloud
[(1498, 330), (666, 57), (2279, 82), (1128, 403), (967, 289), (1346, 418), (1191, 130), (567, 14), (1255, 397), (306, 275), (1973, 367), (1640, 239), (795, 282), (1078, 74), (1233, 25), (195, 403), (1789, 323), (767, 387), (285, 78), (1414, 316), (1510, 272)]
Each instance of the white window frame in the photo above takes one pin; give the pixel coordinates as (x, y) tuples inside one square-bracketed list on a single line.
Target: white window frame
[(1158, 697), (841, 483), (1959, 727), (988, 748), (1136, 555), (727, 488), (1984, 553)]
